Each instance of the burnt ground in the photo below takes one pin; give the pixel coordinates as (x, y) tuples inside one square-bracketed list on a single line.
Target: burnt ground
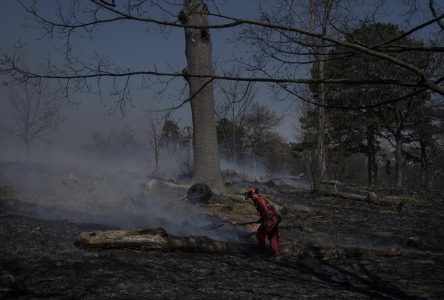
[(39, 258)]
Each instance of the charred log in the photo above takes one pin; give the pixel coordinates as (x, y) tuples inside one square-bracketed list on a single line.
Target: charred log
[(157, 239), (371, 197)]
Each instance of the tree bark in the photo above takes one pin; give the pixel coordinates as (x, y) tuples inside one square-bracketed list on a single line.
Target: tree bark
[(155, 149), (375, 167), (198, 53), (426, 172), (423, 167), (158, 239), (27, 148), (323, 92), (322, 164), (321, 167), (398, 160), (371, 157)]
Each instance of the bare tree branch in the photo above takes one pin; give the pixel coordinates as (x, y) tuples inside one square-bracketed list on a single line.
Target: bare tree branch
[(435, 13), (84, 73), (104, 74)]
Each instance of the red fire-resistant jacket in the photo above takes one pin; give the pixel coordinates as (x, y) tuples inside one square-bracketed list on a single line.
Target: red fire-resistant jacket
[(267, 212)]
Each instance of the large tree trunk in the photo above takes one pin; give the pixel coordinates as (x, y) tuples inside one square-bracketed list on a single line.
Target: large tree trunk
[(155, 149), (322, 164), (321, 161), (426, 172), (27, 143), (398, 160), (372, 168), (327, 5), (198, 53), (423, 169)]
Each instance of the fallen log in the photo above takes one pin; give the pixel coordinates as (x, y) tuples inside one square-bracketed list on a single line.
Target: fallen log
[(166, 189), (343, 195), (371, 197), (157, 239)]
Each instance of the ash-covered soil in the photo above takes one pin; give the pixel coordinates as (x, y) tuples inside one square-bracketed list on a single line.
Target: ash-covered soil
[(39, 258)]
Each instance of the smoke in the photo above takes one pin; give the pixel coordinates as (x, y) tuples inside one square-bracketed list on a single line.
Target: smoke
[(72, 180), (74, 184), (255, 171), (249, 170)]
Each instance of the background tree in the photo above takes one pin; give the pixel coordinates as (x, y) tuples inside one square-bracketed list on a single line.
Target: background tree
[(425, 147), (366, 125), (175, 145), (233, 106), (170, 137), (33, 112), (231, 140), (259, 121), (284, 54), (154, 140), (248, 131), (276, 154)]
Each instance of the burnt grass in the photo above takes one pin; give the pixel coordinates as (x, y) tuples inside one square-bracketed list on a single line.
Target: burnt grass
[(39, 257)]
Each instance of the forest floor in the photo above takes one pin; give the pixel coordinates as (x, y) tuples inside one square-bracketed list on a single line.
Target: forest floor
[(43, 209)]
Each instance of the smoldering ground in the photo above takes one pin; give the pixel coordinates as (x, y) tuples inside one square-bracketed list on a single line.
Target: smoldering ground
[(57, 198), (118, 198), (38, 258), (86, 185)]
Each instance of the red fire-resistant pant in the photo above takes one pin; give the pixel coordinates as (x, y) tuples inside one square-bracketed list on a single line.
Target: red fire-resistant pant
[(273, 239)]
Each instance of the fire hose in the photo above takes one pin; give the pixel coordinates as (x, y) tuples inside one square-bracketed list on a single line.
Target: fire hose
[(245, 223)]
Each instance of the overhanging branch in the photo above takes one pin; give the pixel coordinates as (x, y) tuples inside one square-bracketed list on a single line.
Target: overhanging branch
[(33, 75)]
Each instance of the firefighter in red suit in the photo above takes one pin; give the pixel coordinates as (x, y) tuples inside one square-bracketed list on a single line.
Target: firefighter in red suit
[(269, 221)]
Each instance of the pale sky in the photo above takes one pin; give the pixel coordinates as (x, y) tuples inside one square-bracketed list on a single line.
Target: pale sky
[(126, 45), (138, 46)]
